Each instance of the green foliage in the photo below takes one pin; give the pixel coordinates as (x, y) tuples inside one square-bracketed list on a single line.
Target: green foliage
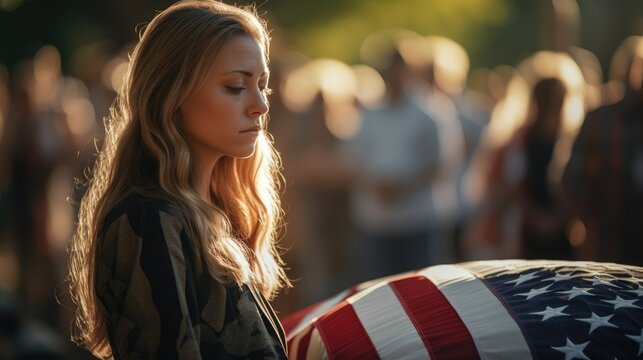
[(336, 28)]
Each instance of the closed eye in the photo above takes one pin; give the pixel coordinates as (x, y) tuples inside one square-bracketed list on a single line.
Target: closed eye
[(235, 90), (267, 91)]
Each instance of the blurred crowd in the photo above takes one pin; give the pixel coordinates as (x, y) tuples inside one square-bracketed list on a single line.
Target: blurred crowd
[(410, 159), (406, 160)]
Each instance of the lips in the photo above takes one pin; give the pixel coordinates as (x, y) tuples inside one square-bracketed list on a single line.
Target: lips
[(251, 129)]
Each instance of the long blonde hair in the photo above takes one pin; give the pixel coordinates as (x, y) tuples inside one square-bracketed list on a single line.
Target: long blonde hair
[(238, 236)]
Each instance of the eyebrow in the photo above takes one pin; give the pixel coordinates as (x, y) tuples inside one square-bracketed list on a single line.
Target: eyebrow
[(247, 73)]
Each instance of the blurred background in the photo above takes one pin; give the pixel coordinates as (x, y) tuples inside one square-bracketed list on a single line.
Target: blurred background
[(412, 133)]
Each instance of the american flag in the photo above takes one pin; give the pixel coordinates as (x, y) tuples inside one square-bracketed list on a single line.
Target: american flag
[(509, 309)]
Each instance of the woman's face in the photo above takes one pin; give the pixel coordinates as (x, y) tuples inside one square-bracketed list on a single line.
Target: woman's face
[(223, 117)]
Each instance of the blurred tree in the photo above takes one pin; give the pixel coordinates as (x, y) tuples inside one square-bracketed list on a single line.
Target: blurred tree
[(493, 31), (336, 28)]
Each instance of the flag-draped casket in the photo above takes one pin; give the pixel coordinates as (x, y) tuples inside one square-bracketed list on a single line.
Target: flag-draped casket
[(509, 309)]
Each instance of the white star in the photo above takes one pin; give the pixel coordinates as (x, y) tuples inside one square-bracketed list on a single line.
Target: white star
[(638, 339), (562, 277), (620, 302), (638, 292), (577, 292), (597, 321), (551, 312), (535, 292), (522, 278), (572, 350), (598, 281)]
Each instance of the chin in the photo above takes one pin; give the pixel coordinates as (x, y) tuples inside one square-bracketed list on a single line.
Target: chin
[(244, 154)]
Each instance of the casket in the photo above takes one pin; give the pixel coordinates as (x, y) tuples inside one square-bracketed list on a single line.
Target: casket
[(509, 309)]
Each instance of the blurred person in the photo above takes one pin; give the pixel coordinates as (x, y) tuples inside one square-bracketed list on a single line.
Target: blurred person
[(621, 63), (460, 120), (8, 307), (101, 72), (499, 83), (544, 216), (318, 94), (49, 119), (448, 65), (560, 24), (175, 252), (604, 177), (491, 230), (514, 181), (395, 157), (592, 73), (40, 142), (543, 146)]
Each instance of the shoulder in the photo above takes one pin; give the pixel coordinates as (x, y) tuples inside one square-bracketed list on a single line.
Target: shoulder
[(148, 231), (144, 211), (139, 219)]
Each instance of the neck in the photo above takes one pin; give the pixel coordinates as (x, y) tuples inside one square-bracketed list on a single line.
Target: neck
[(204, 177)]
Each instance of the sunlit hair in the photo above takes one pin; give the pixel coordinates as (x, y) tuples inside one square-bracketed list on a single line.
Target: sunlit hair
[(145, 148), (508, 115), (622, 59), (592, 73), (450, 62), (336, 83), (635, 76)]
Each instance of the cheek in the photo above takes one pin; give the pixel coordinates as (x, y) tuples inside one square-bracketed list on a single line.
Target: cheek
[(199, 113)]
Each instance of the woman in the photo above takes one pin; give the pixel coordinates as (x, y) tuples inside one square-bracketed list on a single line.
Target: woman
[(175, 254)]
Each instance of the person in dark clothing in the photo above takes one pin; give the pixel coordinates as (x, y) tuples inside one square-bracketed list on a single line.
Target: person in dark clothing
[(604, 177), (175, 253), (545, 222)]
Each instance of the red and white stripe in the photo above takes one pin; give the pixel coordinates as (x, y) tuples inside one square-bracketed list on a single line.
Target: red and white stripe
[(441, 312), (298, 321)]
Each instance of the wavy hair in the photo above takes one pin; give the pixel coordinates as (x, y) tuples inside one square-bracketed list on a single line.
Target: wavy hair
[(145, 148)]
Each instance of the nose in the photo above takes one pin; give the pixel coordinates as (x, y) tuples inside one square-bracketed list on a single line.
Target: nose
[(259, 105)]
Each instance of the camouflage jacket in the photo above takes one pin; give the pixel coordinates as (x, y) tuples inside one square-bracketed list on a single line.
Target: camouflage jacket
[(160, 301)]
